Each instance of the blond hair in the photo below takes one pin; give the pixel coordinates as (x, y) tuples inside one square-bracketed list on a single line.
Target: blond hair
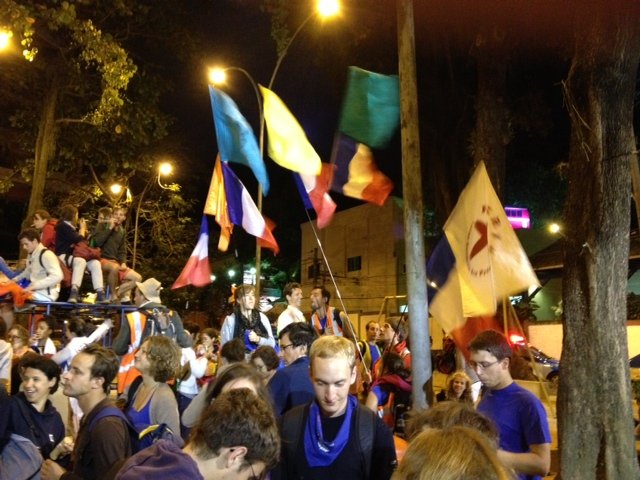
[(457, 453), (466, 395), (331, 346)]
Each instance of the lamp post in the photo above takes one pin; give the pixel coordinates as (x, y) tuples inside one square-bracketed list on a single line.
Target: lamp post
[(325, 9), (163, 169)]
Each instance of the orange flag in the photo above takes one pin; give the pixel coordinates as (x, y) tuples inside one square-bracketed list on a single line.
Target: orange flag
[(216, 205)]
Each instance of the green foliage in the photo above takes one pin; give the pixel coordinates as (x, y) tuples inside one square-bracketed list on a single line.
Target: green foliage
[(113, 64), (279, 11)]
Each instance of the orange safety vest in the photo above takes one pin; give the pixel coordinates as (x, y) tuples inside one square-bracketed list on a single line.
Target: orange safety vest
[(128, 372), (333, 327)]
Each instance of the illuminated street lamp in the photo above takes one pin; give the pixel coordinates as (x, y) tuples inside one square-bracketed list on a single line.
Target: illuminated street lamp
[(164, 169), (116, 189), (5, 39), (554, 228), (217, 76)]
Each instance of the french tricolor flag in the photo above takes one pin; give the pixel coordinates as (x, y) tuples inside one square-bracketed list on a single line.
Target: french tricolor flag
[(243, 212), (313, 190), (197, 271)]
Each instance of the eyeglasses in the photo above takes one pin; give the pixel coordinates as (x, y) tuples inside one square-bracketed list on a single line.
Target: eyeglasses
[(482, 365), (284, 347), (254, 476)]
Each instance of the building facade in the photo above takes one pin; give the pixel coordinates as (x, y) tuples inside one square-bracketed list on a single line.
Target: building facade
[(364, 248)]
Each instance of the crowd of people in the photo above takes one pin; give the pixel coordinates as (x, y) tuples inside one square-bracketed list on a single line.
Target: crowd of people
[(311, 401)]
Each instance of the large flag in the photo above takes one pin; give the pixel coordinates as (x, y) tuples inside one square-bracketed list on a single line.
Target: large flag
[(242, 210), (313, 190), (490, 259), (236, 140), (197, 271), (371, 107), (288, 145), (356, 174), (479, 260), (446, 302), (216, 205)]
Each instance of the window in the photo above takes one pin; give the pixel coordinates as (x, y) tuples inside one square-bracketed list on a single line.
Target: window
[(354, 264), (313, 272)]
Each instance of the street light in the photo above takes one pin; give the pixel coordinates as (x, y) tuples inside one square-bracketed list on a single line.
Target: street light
[(116, 189), (164, 168), (554, 228), (5, 39), (217, 76)]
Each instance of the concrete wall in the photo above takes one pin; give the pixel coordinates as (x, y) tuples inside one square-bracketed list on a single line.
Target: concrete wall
[(548, 338)]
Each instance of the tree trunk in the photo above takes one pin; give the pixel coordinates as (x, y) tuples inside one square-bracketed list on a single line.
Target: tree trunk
[(45, 147), (491, 134), (594, 398)]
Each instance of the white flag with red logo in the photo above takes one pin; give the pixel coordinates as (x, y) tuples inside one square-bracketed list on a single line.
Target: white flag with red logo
[(490, 261)]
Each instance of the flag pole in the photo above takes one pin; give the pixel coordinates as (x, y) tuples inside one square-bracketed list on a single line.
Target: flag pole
[(413, 205)]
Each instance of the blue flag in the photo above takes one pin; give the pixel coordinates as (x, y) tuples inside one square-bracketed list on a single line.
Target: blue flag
[(236, 140)]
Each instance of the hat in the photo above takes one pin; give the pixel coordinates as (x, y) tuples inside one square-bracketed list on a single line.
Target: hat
[(150, 288)]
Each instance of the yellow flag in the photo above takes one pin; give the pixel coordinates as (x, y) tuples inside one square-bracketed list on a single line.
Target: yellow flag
[(288, 145)]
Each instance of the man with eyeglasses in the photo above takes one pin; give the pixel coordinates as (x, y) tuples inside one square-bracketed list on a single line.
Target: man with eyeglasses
[(236, 438), (525, 440), (291, 386)]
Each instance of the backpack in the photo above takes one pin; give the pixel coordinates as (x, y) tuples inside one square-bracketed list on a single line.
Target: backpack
[(293, 430), (159, 323), (20, 458), (393, 412), (446, 360), (142, 436), (66, 273)]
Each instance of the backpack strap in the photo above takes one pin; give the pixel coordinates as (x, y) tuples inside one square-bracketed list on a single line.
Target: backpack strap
[(291, 431), (133, 388), (43, 267), (113, 411), (36, 437), (366, 425), (336, 318), (109, 411)]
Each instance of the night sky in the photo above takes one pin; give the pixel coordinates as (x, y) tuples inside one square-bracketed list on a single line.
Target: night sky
[(311, 81), (312, 78)]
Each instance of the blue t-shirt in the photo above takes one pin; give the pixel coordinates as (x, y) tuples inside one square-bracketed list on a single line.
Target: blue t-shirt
[(520, 417)]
